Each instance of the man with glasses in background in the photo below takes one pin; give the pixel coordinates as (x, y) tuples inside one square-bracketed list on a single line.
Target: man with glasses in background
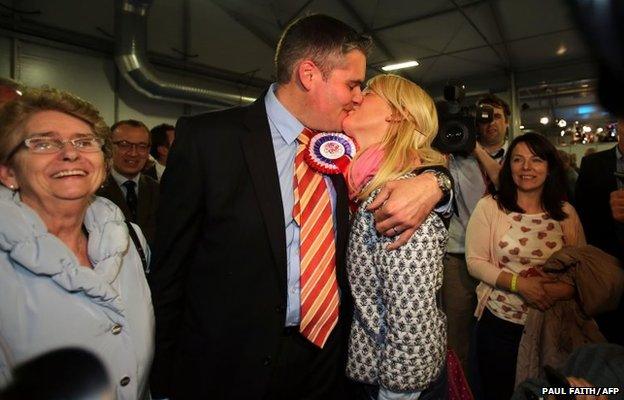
[(136, 194)]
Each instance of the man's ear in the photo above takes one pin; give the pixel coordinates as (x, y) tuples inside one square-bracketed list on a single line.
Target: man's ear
[(7, 177), (306, 73)]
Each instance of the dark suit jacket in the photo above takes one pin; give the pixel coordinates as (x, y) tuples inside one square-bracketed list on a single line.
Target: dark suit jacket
[(219, 274), (146, 207), (593, 188)]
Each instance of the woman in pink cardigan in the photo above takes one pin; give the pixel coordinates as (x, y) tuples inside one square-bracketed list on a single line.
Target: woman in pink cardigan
[(509, 236)]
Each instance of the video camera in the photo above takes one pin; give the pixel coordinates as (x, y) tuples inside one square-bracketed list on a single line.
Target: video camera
[(457, 132)]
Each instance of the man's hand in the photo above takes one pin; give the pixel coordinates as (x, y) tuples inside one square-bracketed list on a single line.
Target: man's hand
[(401, 206), (491, 166), (617, 205)]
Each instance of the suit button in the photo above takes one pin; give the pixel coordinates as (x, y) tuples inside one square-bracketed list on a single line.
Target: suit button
[(279, 309), (116, 329), (124, 381), (266, 361)]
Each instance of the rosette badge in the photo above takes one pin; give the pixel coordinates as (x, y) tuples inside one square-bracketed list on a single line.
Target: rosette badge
[(330, 153)]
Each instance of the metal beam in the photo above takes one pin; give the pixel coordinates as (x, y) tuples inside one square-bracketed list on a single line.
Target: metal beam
[(450, 53), (497, 20), (243, 21), (296, 14), (476, 28), (408, 21), (378, 43)]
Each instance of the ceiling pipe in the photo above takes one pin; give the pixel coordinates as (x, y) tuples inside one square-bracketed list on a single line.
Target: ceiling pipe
[(132, 62)]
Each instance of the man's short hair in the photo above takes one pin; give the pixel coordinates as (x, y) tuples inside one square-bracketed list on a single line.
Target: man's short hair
[(159, 138), (133, 123), (320, 38), (495, 101)]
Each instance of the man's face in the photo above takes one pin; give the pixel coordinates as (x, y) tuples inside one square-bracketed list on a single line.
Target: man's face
[(493, 133), (332, 98), (130, 150), (170, 136), (163, 151)]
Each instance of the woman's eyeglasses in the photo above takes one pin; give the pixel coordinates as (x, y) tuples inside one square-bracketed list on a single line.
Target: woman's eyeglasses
[(50, 144)]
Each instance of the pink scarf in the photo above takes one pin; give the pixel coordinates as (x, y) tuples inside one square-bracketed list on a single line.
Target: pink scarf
[(363, 169)]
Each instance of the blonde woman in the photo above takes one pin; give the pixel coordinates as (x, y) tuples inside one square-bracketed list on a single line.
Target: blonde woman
[(397, 345)]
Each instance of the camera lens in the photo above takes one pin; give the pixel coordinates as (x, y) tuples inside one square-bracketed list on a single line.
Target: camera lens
[(453, 132)]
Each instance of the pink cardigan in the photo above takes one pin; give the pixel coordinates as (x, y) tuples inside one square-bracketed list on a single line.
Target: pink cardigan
[(486, 227)]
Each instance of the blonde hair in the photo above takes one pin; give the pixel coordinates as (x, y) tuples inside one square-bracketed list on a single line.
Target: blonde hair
[(15, 114), (407, 143)]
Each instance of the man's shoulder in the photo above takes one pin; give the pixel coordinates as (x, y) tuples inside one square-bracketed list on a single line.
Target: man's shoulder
[(149, 182), (218, 125), (601, 155), (108, 186), (592, 160), (232, 115)]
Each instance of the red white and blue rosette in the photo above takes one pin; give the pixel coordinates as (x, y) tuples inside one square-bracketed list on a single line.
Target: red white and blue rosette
[(330, 153)]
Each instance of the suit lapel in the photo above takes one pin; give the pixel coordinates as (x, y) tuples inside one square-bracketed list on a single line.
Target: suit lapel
[(609, 168), (143, 205), (342, 225), (260, 158), (112, 192)]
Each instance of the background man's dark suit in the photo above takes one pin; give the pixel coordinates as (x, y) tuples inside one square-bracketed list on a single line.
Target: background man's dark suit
[(146, 207), (593, 187), (219, 279)]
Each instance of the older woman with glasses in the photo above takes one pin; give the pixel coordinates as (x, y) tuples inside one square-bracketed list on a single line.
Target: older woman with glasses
[(69, 273)]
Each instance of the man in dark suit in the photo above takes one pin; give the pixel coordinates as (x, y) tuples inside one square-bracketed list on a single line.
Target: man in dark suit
[(133, 192), (600, 205), (226, 285)]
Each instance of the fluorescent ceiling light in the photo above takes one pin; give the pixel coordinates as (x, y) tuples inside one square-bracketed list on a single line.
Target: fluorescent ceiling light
[(406, 64)]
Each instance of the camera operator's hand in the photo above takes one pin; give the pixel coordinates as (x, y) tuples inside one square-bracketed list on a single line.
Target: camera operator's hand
[(490, 166), (617, 205)]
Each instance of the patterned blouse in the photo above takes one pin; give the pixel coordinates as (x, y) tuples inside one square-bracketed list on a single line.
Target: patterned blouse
[(532, 239), (398, 334)]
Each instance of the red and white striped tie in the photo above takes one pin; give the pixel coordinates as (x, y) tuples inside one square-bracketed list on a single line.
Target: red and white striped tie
[(317, 249)]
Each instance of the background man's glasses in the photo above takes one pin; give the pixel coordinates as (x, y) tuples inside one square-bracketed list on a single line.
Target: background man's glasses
[(127, 146)]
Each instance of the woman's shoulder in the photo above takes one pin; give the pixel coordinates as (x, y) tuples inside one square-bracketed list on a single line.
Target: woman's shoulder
[(488, 203)]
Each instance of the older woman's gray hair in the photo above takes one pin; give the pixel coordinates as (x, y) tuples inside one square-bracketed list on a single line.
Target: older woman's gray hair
[(15, 114)]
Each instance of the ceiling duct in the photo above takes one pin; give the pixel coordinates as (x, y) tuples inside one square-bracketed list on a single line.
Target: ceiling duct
[(131, 59)]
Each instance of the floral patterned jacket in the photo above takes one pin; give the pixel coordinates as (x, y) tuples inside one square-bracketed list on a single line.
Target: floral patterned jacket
[(398, 334)]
